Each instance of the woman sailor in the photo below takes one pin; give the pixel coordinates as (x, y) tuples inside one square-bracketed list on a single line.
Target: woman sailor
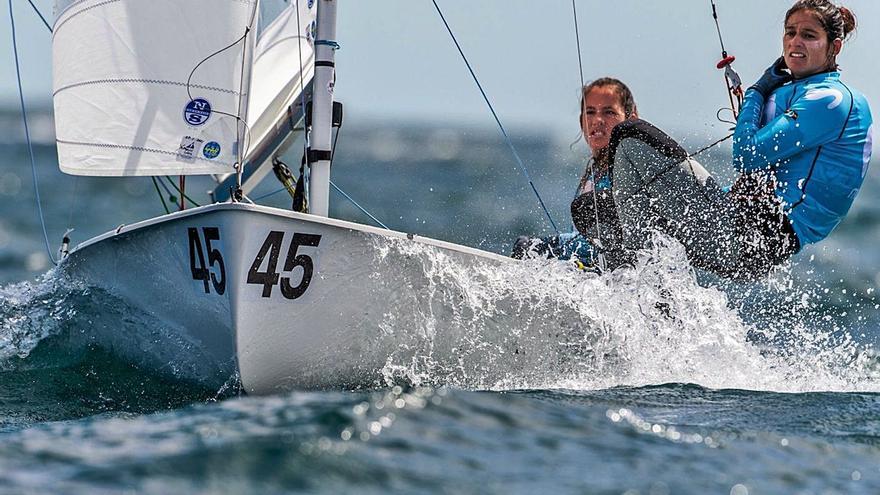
[(802, 145), (605, 103)]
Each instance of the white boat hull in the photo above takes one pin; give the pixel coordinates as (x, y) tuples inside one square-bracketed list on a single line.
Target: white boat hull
[(285, 300)]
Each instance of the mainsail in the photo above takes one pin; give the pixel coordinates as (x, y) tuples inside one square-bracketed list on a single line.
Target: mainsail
[(167, 87)]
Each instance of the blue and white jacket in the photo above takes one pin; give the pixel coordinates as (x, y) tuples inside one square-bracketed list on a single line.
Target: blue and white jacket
[(814, 135)]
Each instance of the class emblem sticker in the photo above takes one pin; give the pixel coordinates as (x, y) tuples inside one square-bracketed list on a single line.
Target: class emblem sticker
[(187, 149), (197, 112), (211, 150)]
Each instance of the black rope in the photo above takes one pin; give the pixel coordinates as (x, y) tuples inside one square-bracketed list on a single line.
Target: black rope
[(716, 143)]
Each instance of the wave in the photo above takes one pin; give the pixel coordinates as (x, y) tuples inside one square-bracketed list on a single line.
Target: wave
[(546, 325), (510, 326), (53, 366)]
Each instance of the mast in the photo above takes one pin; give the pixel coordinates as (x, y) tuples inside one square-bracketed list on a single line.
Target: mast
[(250, 42), (320, 143)]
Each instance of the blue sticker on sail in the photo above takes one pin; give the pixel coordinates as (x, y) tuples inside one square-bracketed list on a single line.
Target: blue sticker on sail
[(197, 111), (311, 3), (211, 150), (311, 29)]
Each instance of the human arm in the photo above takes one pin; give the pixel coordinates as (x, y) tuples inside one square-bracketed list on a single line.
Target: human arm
[(814, 118)]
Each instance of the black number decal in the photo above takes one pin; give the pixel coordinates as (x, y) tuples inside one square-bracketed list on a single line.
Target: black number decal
[(293, 260), (268, 279), (214, 256), (199, 271), (197, 264), (272, 248)]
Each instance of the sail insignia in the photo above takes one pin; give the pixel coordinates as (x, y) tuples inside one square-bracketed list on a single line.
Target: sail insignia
[(167, 87)]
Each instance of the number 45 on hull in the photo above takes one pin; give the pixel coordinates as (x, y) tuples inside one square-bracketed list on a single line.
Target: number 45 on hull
[(281, 300)]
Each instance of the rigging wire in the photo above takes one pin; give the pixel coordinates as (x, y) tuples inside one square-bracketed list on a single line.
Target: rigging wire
[(75, 193), (497, 120), (365, 212), (302, 102), (335, 139), (343, 193), (41, 16), (337, 188), (732, 81), (27, 135), (591, 163), (718, 28), (156, 185)]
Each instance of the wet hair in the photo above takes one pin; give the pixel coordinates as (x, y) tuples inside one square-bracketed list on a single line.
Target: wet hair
[(838, 21), (627, 101)]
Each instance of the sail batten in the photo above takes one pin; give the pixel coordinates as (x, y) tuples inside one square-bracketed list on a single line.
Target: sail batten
[(164, 87)]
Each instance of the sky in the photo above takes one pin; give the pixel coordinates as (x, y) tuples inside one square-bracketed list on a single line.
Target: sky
[(397, 63)]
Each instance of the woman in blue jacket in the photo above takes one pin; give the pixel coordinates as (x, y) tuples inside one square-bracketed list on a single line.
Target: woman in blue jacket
[(802, 145)]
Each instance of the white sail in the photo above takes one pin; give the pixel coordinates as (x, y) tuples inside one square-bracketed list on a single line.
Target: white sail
[(283, 66), (152, 87)]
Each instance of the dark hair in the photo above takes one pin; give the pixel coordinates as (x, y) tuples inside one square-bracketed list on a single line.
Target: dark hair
[(838, 21), (623, 93)]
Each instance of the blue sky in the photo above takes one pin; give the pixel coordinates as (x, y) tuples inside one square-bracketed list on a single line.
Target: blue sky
[(397, 63)]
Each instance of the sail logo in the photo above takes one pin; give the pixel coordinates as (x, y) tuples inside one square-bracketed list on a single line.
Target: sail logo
[(211, 150), (197, 112), (311, 30), (187, 149)]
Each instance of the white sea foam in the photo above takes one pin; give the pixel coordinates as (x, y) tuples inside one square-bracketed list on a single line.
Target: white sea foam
[(544, 324), (29, 312)]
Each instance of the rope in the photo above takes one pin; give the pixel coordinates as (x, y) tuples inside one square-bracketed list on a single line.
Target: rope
[(716, 143), (495, 116), (27, 135)]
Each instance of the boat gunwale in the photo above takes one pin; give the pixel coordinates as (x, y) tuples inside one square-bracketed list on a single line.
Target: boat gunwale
[(278, 212)]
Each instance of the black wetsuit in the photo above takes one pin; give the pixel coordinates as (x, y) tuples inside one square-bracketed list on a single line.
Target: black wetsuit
[(742, 233)]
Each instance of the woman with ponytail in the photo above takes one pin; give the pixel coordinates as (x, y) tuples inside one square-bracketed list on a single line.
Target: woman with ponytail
[(802, 145), (803, 133)]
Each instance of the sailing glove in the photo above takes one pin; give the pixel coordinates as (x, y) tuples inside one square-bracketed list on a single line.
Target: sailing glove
[(774, 77)]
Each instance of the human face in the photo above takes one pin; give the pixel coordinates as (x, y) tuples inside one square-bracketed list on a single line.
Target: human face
[(602, 111), (805, 45)]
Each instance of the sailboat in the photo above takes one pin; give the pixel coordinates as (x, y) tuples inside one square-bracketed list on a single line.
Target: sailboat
[(279, 299)]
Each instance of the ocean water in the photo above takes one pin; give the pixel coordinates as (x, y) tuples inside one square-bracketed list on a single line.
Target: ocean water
[(656, 380)]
